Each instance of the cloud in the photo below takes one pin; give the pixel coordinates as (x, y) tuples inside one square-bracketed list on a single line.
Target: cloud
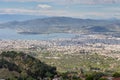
[(92, 1), (71, 1), (44, 6), (33, 12), (28, 0), (45, 12), (15, 11), (51, 12)]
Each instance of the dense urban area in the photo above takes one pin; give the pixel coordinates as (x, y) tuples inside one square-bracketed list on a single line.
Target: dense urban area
[(96, 43)]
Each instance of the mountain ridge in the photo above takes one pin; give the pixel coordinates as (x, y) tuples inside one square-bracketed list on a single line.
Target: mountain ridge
[(62, 25)]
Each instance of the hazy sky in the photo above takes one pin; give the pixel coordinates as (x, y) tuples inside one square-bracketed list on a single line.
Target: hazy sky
[(71, 8)]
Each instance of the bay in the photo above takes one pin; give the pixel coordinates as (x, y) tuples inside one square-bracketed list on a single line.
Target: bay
[(9, 34)]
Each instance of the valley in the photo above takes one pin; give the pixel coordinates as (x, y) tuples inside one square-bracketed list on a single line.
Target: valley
[(98, 50)]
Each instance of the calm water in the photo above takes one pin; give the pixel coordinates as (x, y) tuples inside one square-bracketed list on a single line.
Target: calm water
[(11, 34)]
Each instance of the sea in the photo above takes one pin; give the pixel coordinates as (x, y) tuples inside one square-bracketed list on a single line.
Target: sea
[(9, 34)]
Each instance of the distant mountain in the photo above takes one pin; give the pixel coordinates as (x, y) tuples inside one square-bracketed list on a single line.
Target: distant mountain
[(62, 24), (17, 17)]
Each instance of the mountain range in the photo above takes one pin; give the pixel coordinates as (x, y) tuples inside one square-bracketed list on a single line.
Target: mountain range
[(62, 25)]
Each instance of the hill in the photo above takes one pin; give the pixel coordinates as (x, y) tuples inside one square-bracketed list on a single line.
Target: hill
[(63, 24), (21, 66)]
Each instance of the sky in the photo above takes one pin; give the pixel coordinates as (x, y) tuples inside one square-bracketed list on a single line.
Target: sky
[(95, 9)]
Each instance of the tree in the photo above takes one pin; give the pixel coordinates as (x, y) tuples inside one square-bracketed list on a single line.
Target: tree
[(94, 76), (116, 74)]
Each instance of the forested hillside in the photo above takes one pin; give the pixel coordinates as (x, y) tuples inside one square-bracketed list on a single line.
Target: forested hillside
[(22, 66)]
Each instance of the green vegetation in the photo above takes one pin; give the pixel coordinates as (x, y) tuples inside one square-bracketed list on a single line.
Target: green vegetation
[(26, 66), (94, 76), (77, 61), (116, 74), (21, 66)]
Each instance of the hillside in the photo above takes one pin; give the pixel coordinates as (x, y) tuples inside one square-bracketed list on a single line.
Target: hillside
[(63, 24), (15, 65), (20, 66)]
